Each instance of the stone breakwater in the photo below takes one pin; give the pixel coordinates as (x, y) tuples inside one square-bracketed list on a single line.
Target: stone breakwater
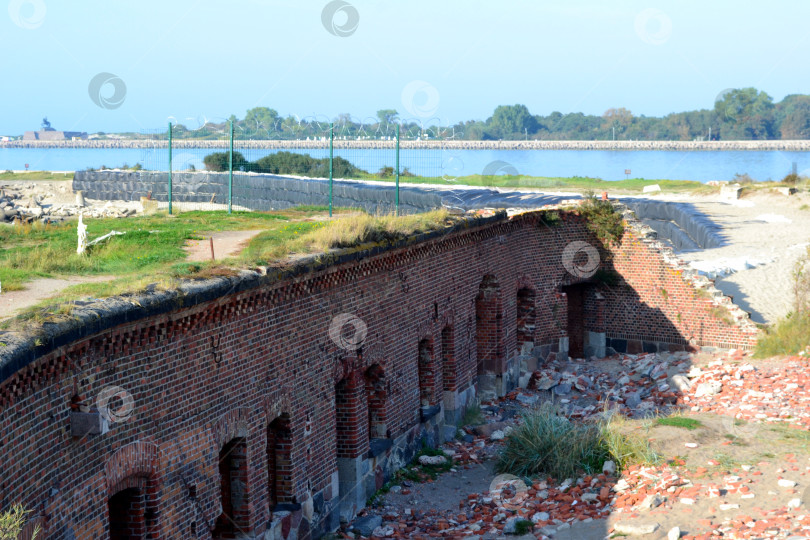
[(789, 146)]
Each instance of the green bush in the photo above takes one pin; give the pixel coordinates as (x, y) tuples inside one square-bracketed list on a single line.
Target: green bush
[(602, 219), (220, 161), (792, 179), (547, 443)]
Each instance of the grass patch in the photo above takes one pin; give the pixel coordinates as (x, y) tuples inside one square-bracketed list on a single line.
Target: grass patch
[(35, 175), (679, 421), (578, 183), (473, 415), (523, 526), (721, 314), (548, 443), (152, 249), (788, 336), (414, 472), (726, 462)]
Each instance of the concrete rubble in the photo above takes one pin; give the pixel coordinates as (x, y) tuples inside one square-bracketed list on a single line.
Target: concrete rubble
[(53, 202)]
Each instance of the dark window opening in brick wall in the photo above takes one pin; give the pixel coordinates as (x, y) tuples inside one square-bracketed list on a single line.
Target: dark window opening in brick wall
[(448, 360), (233, 521), (377, 397), (489, 326), (576, 319), (427, 374), (127, 515), (133, 509), (526, 313), (279, 461)]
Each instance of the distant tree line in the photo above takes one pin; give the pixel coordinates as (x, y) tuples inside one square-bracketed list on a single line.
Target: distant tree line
[(739, 114)]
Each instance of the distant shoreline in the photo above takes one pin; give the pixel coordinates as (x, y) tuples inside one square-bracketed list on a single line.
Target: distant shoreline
[(789, 146)]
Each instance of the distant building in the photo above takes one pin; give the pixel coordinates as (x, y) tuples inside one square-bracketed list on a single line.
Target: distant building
[(53, 135), (47, 133)]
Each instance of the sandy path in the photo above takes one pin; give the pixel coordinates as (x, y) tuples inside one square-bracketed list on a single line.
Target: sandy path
[(226, 244), (40, 289), (766, 228)]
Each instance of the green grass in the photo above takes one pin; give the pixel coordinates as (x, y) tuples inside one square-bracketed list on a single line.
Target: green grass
[(788, 336), (472, 415), (726, 462), (548, 443), (679, 421), (542, 182), (35, 175), (148, 247), (151, 250)]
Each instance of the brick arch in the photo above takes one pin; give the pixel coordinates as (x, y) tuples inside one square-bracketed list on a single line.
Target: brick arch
[(447, 318), (425, 329), (140, 458), (234, 423), (134, 482), (276, 403), (523, 281)]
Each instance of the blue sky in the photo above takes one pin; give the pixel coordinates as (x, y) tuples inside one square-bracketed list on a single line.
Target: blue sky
[(452, 60)]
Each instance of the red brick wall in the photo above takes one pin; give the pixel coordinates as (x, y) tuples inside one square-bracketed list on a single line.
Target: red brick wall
[(225, 368)]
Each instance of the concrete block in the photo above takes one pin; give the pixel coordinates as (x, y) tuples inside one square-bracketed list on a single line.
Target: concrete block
[(84, 424), (730, 192)]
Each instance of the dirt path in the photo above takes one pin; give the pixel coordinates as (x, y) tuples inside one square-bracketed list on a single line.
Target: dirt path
[(40, 289), (226, 244)]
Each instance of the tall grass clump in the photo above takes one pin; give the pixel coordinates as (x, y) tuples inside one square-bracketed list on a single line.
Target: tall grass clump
[(549, 443), (363, 228), (12, 522), (791, 335)]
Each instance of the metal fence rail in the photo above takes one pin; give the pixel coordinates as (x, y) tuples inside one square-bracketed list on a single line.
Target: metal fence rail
[(229, 166)]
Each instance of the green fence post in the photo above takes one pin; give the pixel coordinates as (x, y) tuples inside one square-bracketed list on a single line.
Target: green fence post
[(230, 172), (331, 157), (396, 202), (170, 167)]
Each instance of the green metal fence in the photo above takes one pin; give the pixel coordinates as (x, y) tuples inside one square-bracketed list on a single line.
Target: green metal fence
[(232, 159)]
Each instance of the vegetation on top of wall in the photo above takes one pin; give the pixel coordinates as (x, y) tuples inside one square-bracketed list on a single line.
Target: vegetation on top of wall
[(602, 219)]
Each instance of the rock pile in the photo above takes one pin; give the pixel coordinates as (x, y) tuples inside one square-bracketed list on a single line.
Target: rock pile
[(52, 202)]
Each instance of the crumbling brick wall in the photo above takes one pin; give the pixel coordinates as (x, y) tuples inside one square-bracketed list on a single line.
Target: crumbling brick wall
[(205, 370)]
